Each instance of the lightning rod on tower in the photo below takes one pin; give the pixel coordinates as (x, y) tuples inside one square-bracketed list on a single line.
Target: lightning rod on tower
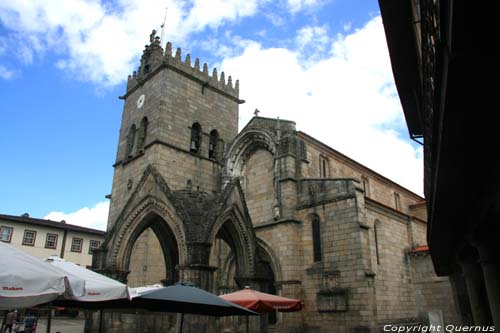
[(163, 26)]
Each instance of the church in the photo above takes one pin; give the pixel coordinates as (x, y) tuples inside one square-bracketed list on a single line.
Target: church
[(194, 199)]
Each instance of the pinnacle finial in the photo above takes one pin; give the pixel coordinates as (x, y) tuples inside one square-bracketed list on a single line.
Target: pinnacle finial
[(230, 81), (205, 68), (178, 54), (214, 74), (168, 49), (222, 78), (197, 64), (237, 85), (188, 60)]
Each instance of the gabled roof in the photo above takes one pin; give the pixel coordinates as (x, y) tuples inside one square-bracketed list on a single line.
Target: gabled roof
[(49, 223)]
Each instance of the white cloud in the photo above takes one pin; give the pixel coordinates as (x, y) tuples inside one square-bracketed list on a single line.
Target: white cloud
[(95, 217), (6, 73), (295, 6), (346, 99), (312, 41), (212, 13), (102, 44)]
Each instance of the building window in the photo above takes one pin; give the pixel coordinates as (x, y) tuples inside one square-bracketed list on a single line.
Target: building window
[(324, 167), (51, 241), (76, 244), (366, 186), (93, 245), (397, 201), (212, 145), (141, 134), (6, 234), (130, 141), (29, 237), (376, 230), (316, 236), (195, 138)]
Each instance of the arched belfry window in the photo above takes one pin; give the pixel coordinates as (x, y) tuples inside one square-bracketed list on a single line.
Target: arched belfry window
[(212, 144), (195, 143), (316, 237), (130, 141), (141, 134)]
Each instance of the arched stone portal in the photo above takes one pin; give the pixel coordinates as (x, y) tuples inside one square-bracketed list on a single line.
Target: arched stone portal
[(166, 226), (154, 228), (235, 229)]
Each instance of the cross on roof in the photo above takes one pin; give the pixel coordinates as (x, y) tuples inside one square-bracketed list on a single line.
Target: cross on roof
[(256, 112)]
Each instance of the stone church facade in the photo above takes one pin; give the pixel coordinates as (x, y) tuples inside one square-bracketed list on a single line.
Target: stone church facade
[(269, 206)]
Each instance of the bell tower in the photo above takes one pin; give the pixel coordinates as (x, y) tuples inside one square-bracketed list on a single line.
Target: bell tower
[(178, 118)]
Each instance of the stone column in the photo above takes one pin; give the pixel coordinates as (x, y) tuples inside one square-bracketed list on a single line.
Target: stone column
[(491, 274), (474, 281), (201, 275)]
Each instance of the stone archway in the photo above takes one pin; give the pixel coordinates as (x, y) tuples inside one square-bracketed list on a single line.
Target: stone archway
[(242, 147), (167, 227), (236, 230)]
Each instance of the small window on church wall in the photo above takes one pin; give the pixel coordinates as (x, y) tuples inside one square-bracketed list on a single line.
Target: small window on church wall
[(316, 236), (141, 134), (323, 167), (376, 230), (366, 186), (397, 201), (212, 145), (195, 143), (130, 141)]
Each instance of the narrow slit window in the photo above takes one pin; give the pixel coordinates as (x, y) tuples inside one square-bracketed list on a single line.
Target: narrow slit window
[(316, 235), (376, 230), (397, 201)]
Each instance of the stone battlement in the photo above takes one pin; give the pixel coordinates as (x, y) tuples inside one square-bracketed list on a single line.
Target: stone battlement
[(154, 58)]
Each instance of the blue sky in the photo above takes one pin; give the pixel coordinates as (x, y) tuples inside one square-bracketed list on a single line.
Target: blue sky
[(63, 64)]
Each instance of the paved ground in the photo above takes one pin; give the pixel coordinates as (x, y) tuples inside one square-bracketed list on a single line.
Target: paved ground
[(63, 325)]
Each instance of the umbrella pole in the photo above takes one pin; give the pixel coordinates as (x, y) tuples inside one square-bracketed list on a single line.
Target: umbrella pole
[(101, 321), (49, 320), (182, 320)]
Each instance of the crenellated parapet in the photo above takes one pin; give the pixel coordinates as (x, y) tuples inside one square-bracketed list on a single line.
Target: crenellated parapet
[(154, 58)]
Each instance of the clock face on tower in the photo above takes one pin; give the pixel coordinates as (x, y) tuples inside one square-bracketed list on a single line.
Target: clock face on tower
[(140, 101)]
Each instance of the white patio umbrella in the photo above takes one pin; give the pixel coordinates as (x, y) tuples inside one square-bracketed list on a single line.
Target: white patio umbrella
[(97, 286), (26, 281)]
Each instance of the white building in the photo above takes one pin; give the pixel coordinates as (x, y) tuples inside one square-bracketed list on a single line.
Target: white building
[(43, 238)]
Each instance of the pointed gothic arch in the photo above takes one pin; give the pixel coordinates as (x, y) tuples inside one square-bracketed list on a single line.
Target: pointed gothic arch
[(168, 228), (235, 228), (273, 259), (243, 146)]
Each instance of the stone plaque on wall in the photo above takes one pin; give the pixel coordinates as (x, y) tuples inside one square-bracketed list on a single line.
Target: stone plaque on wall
[(331, 297), (332, 301)]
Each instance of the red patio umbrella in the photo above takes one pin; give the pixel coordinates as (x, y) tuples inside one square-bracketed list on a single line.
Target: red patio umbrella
[(261, 302)]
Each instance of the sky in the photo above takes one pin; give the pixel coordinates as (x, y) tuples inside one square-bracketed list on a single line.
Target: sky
[(63, 63)]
